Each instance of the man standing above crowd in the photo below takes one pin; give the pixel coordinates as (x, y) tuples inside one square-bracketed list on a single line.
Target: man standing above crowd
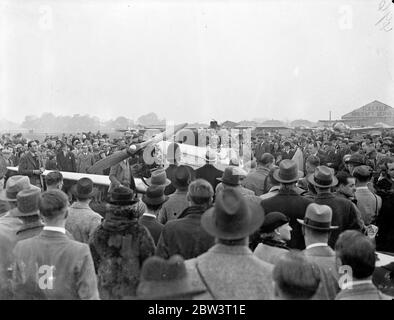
[(84, 160), (30, 165)]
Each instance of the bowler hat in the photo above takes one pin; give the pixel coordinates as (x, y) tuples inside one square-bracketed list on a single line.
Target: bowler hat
[(13, 186), (154, 196), (83, 189), (166, 279), (122, 196), (158, 178), (27, 202), (181, 177), (318, 217), (323, 177), (272, 221), (230, 177), (287, 172), (232, 217)]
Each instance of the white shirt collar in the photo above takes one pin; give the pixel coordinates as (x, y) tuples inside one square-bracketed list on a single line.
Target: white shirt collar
[(146, 214), (362, 188), (317, 244), (56, 229), (350, 284)]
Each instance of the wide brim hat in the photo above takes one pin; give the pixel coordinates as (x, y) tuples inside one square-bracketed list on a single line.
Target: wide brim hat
[(272, 221), (162, 279), (13, 186), (154, 196), (122, 196), (230, 177), (318, 217), (287, 172), (27, 202), (323, 177), (158, 178), (243, 220)]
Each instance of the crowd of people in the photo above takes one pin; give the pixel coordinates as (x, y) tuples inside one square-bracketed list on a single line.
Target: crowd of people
[(304, 218)]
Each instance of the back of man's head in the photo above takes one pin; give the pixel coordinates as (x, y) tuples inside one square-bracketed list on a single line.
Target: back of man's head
[(357, 251), (295, 277), (53, 204), (266, 159), (200, 192), (54, 180)]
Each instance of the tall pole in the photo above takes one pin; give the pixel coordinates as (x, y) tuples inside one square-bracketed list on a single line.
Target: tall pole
[(329, 115)]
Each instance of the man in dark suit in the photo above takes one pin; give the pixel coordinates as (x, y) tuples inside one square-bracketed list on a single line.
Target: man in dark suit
[(185, 236), (287, 153), (66, 159), (208, 171), (153, 199), (64, 267), (31, 166), (288, 201), (66, 162), (345, 214)]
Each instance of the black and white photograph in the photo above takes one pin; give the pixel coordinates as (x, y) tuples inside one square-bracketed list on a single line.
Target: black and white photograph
[(165, 150)]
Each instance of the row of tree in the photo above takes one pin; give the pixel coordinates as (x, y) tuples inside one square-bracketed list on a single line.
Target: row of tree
[(49, 122)]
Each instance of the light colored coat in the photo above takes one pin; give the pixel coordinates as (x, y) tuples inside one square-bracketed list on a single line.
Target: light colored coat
[(171, 209), (324, 257), (269, 254), (255, 180), (231, 272), (368, 203), (73, 275), (82, 221)]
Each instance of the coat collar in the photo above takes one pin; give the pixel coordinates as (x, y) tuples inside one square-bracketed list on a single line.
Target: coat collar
[(30, 226), (48, 234), (326, 195), (320, 252), (234, 250)]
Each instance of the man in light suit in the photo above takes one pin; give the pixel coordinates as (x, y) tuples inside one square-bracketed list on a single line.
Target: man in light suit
[(229, 270), (65, 267), (316, 228), (368, 203)]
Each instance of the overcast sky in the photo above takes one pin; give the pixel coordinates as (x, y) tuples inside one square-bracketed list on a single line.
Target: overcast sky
[(194, 60)]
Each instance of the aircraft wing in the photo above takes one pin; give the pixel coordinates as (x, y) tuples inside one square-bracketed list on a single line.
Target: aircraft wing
[(96, 178)]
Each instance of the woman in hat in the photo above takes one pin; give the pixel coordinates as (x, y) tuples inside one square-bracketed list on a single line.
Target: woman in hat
[(275, 231), (119, 246)]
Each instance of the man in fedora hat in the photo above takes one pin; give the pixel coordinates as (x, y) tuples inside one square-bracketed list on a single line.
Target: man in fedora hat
[(82, 220), (177, 201), (41, 256), (119, 246), (288, 201), (154, 199), (9, 224), (345, 214), (356, 252), (184, 235), (208, 171), (158, 178), (166, 280), (255, 181), (229, 270), (231, 178), (316, 227)]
